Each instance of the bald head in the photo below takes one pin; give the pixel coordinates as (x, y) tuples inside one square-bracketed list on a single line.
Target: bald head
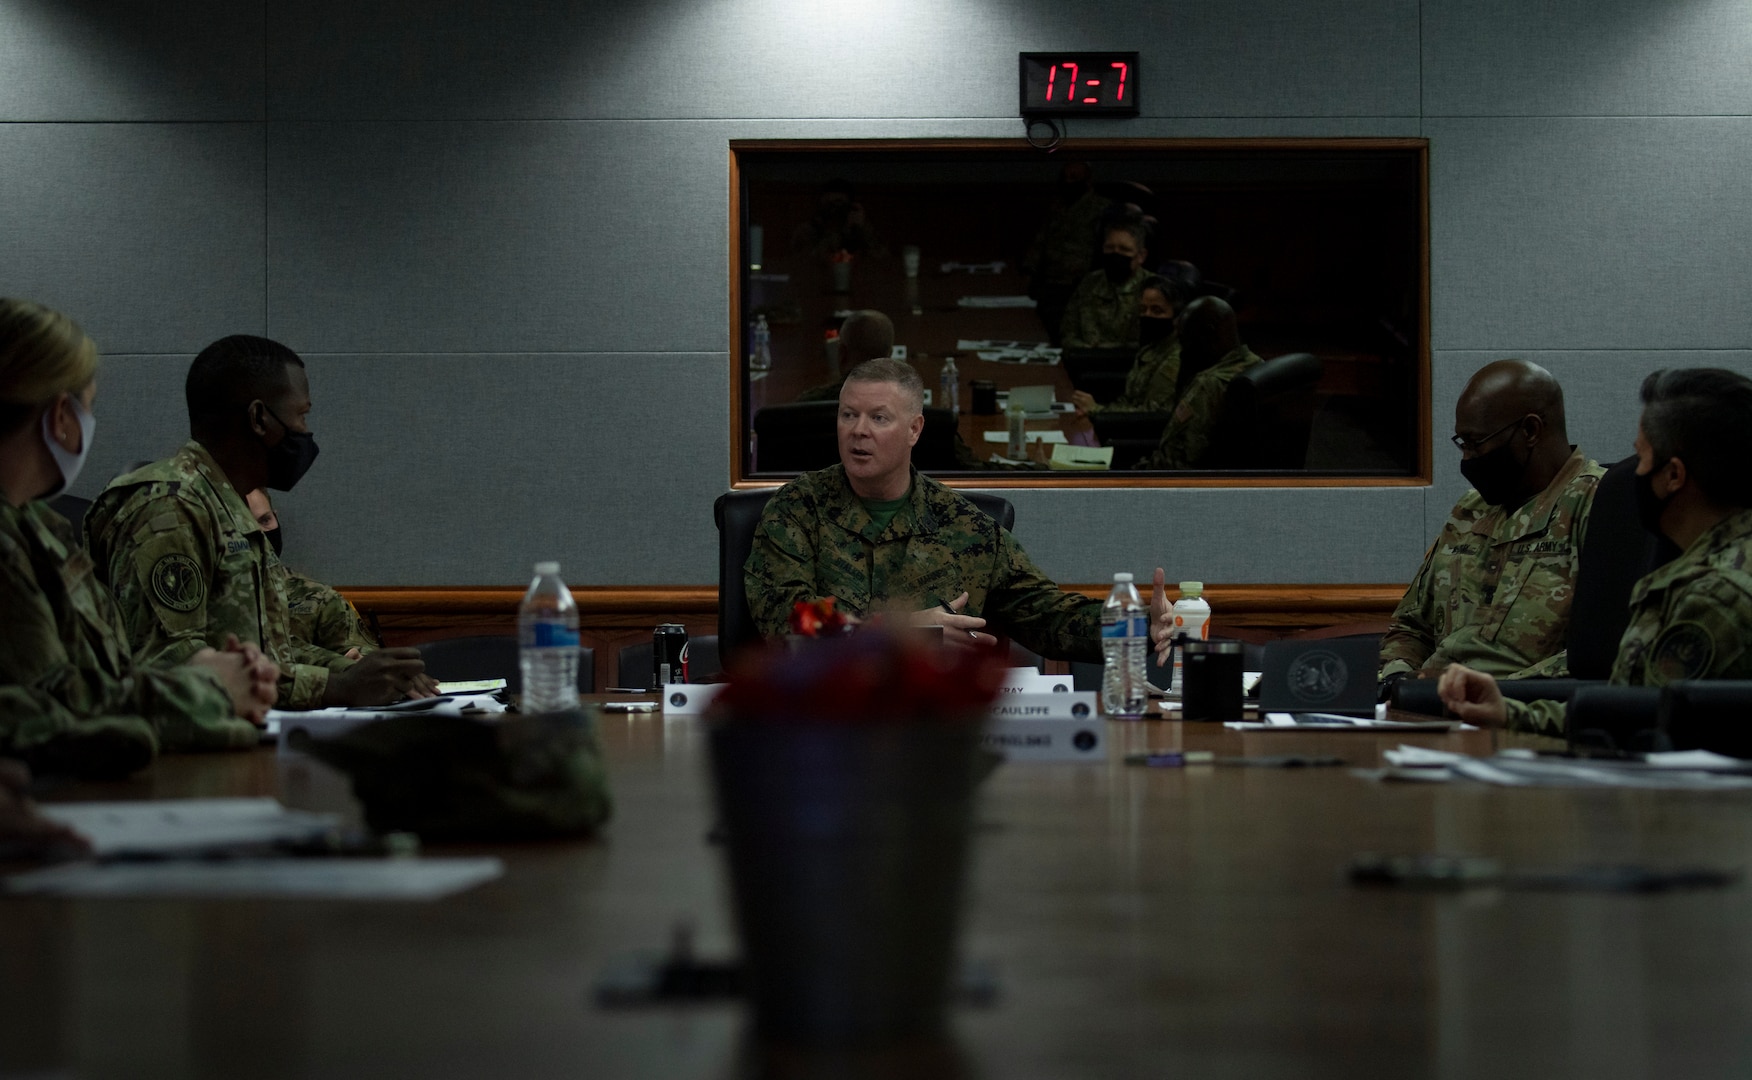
[(1208, 332), (865, 335), (1505, 391)]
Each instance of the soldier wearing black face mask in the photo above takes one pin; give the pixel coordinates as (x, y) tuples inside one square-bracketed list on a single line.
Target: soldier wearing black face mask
[(187, 561), (1103, 312), (1494, 589), (1153, 383), (1692, 618)]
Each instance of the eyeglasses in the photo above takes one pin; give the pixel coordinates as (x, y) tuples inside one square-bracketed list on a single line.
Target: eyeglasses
[(1465, 445)]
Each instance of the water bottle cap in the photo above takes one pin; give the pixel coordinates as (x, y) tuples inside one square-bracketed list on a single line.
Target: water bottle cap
[(1122, 576), (1191, 589), (544, 568)]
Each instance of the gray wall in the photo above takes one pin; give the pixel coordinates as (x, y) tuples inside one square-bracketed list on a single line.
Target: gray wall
[(498, 234)]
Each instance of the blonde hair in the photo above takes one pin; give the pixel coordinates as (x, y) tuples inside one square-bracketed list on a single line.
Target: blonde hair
[(42, 353)]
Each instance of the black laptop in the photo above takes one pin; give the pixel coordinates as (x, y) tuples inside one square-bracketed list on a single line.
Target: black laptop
[(1334, 676)]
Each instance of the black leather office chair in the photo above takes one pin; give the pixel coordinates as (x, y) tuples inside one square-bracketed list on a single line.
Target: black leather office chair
[(1133, 435), (1615, 553), (73, 508), (633, 666), (492, 656), (1268, 411), (1100, 373), (802, 436), (736, 514)]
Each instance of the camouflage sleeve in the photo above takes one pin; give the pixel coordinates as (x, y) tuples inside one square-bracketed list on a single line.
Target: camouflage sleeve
[(1188, 434), (52, 739), (322, 617), (781, 568), (160, 566), (1411, 633), (1552, 667), (57, 698), (1077, 330), (1544, 717), (1028, 606), (1704, 635)]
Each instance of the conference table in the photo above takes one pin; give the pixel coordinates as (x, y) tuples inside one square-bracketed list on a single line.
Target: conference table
[(1140, 921)]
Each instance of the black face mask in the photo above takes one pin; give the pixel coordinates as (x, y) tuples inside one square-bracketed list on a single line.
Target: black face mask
[(1152, 329), (275, 540), (1496, 475), (1650, 506), (1117, 267), (291, 457)]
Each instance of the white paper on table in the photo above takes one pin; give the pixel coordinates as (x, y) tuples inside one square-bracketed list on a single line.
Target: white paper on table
[(1420, 757), (302, 879), (186, 826), (1033, 436), (995, 302), (444, 705), (1695, 759), (475, 686)]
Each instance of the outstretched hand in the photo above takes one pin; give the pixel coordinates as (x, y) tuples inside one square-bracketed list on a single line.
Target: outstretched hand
[(1161, 618)]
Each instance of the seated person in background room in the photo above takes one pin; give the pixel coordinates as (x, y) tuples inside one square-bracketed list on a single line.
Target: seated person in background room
[(1061, 252), (184, 556), (320, 615), (1494, 590), (876, 534), (1151, 383), (72, 699), (1692, 618), (1211, 355), (865, 335), (1103, 311)]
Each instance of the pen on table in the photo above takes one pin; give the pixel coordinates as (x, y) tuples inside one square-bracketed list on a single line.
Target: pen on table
[(944, 604)]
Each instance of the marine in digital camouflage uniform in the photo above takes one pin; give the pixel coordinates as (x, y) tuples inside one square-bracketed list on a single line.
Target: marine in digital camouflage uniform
[(324, 618), (1494, 590), (1152, 383), (188, 565), (817, 539), (1102, 315), (1690, 619), (1188, 434), (71, 694)]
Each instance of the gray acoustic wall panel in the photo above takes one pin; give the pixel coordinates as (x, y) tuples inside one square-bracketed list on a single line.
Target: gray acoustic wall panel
[(782, 58), (1600, 391), (140, 416), (1590, 233), (1233, 536), (1586, 58), (125, 60), (468, 469), (149, 234)]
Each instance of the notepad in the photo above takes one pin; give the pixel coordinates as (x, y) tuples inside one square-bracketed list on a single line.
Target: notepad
[(1068, 458), (1033, 436)]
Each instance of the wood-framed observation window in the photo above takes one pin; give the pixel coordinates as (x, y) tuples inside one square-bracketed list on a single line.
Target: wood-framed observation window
[(1014, 264)]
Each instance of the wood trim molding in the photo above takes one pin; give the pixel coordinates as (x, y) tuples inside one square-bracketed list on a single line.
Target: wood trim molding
[(1231, 602)]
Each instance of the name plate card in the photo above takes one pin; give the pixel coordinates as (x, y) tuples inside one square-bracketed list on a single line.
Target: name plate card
[(1064, 726), (689, 699), (1026, 680)]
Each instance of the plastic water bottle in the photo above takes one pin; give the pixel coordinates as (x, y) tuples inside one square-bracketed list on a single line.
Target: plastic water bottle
[(949, 387), (1192, 622), (1125, 636), (547, 638), (760, 353)]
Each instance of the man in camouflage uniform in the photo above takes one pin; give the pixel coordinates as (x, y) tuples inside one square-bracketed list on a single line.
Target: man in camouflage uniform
[(1692, 618), (184, 556), (1494, 590), (877, 535), (1062, 251), (1103, 312), (1211, 355), (320, 615), (1152, 384)]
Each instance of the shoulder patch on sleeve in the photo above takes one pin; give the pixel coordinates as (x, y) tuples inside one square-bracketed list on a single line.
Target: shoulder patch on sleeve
[(176, 582), (1683, 651), (164, 522)]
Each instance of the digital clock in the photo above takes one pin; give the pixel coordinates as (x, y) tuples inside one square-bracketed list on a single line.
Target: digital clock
[(1083, 83)]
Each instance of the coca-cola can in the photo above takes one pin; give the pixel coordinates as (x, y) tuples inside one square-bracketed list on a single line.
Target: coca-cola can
[(668, 655)]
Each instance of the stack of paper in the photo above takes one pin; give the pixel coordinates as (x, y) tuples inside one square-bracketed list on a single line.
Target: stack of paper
[(1081, 458)]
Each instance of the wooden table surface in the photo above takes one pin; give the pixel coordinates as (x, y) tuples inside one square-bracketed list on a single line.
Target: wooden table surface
[(1143, 922)]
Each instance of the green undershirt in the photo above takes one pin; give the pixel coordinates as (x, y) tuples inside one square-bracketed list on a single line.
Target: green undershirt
[(882, 511)]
